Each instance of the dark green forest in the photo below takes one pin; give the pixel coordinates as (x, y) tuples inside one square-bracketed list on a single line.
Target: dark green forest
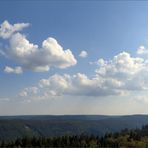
[(126, 138), (12, 127)]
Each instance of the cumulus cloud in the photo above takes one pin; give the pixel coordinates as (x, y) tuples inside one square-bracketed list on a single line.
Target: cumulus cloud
[(83, 54), (78, 85), (16, 70), (98, 62), (122, 65), (28, 91), (38, 59), (142, 50), (6, 29), (132, 72), (121, 75)]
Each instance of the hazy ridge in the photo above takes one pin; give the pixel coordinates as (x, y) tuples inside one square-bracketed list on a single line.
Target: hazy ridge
[(12, 127)]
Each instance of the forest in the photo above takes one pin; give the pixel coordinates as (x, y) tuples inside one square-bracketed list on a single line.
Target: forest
[(125, 138)]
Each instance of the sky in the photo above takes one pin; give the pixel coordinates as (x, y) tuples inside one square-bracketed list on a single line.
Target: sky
[(73, 57)]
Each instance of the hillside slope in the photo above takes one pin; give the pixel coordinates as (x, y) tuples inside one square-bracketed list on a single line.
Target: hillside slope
[(19, 126)]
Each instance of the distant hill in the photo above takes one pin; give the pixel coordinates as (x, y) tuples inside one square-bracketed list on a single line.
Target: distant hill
[(133, 138), (12, 127)]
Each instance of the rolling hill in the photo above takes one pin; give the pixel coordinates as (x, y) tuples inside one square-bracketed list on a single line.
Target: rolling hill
[(12, 127)]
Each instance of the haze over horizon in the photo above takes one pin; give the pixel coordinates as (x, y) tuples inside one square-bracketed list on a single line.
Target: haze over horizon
[(70, 57)]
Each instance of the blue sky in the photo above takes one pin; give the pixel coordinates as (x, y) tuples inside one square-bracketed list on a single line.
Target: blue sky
[(116, 32)]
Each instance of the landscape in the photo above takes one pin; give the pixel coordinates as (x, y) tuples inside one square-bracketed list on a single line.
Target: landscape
[(73, 74), (74, 131)]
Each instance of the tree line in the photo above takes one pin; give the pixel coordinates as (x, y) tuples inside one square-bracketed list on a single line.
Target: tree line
[(125, 138)]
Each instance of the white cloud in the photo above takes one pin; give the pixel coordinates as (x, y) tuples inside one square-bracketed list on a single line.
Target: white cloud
[(16, 70), (6, 29), (122, 65), (98, 62), (44, 82), (28, 91), (83, 54), (142, 50), (77, 85), (132, 72), (120, 76), (38, 59)]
